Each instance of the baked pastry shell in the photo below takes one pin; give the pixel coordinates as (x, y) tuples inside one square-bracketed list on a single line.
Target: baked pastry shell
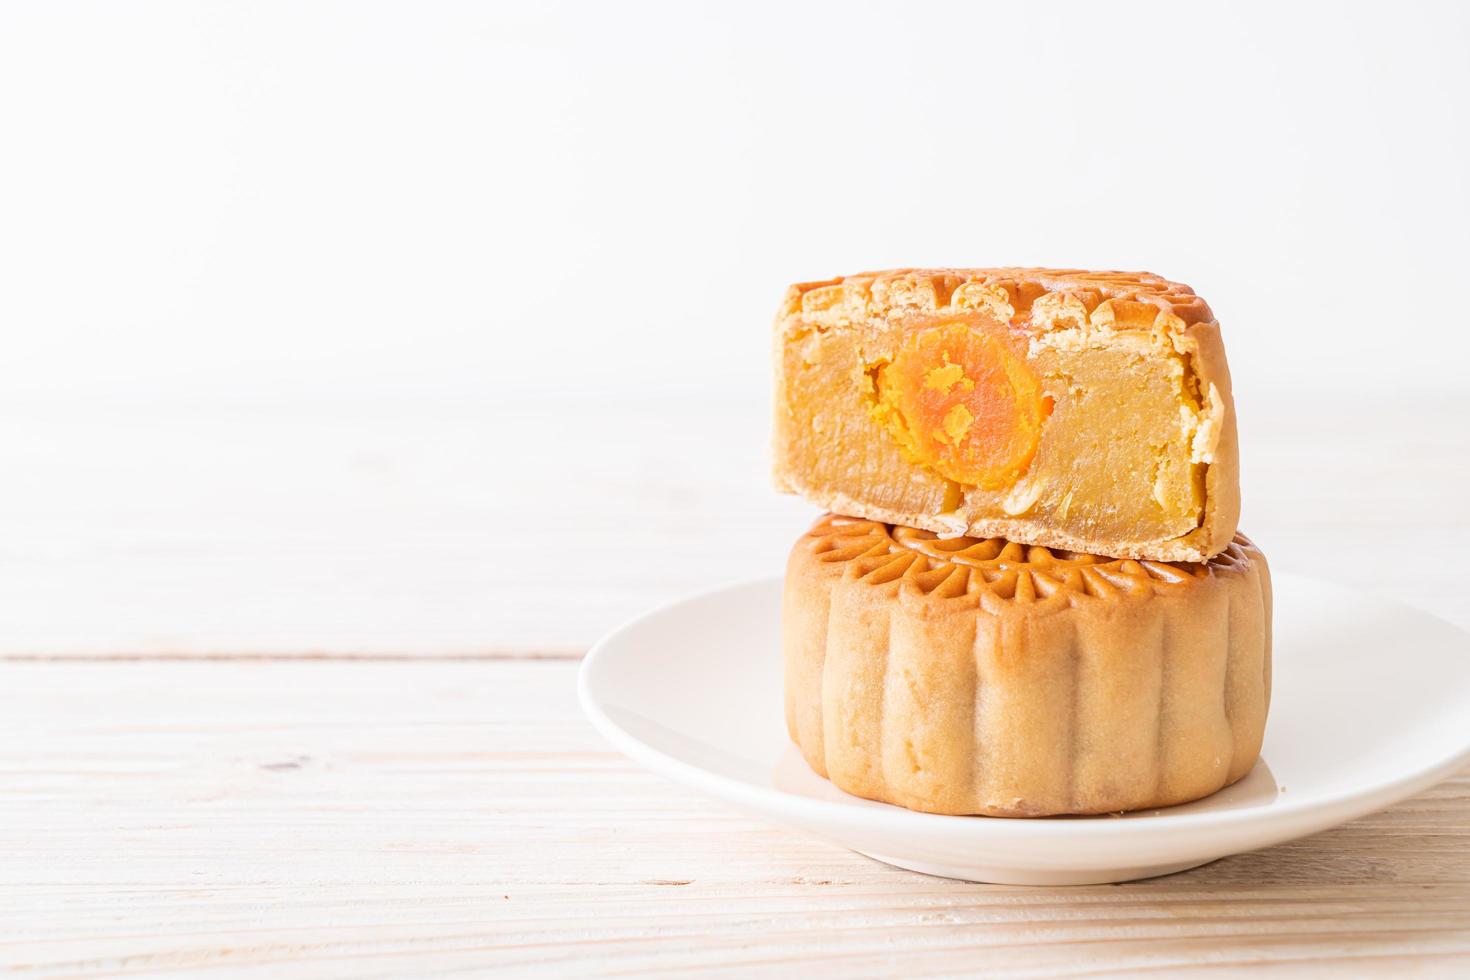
[(980, 676)]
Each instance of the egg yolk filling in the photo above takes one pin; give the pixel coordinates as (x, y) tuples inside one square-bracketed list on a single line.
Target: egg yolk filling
[(958, 399)]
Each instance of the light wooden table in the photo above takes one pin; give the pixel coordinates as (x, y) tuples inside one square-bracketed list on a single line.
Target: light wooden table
[(325, 724)]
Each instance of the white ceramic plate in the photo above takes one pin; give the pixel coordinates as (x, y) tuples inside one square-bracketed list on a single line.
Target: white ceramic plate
[(1370, 704)]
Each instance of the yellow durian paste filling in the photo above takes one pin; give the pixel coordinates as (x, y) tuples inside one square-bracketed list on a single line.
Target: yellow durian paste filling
[(1102, 430)]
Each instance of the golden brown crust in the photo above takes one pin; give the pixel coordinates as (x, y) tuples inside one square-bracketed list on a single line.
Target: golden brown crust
[(1122, 299), (1038, 302), (1222, 477), (987, 677)]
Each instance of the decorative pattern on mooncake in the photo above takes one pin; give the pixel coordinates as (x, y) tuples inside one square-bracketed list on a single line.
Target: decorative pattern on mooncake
[(982, 676), (1047, 299)]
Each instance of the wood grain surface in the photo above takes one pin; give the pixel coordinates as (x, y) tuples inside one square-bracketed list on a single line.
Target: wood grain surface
[(289, 691), (385, 819)]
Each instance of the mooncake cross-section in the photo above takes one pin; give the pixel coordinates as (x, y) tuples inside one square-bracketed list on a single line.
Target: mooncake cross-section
[(1089, 411)]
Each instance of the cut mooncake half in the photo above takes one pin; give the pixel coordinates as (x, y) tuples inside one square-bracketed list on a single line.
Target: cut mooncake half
[(981, 676), (1081, 410)]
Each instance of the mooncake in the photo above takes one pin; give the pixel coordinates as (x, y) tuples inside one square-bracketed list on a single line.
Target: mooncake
[(1088, 411), (982, 676)]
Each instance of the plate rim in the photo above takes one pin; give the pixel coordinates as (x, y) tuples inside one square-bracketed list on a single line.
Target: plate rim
[(1288, 818)]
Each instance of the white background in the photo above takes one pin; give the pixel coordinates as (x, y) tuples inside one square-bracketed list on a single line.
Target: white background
[(444, 327)]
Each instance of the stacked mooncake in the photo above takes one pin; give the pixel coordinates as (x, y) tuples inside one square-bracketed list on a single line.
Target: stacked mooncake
[(1029, 597)]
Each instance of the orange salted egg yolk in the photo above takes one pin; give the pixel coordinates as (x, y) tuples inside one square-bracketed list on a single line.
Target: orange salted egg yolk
[(958, 399)]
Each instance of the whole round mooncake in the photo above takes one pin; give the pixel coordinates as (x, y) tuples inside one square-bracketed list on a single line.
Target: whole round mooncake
[(982, 676)]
